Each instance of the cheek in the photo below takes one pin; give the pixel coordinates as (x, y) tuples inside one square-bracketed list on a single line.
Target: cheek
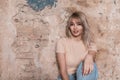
[(71, 28), (80, 28)]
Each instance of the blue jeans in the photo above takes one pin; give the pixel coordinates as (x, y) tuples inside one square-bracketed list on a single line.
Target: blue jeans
[(78, 75)]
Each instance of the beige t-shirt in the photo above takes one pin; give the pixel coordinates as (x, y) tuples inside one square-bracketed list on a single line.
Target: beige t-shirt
[(75, 52)]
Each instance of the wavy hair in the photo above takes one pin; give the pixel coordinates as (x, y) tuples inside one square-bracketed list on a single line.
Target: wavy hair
[(87, 35)]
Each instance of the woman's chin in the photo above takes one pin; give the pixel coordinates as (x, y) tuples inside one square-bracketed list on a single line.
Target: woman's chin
[(76, 35)]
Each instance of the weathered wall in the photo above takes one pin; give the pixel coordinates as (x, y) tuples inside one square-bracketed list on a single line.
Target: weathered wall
[(28, 37)]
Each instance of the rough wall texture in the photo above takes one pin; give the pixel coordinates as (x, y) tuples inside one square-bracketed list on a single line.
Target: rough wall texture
[(28, 37)]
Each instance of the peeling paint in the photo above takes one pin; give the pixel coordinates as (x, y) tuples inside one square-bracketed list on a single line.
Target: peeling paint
[(41, 4)]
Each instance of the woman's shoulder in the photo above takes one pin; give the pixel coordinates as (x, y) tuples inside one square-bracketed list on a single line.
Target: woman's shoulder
[(63, 39), (60, 46)]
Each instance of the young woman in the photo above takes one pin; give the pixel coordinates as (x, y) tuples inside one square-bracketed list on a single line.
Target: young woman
[(76, 52)]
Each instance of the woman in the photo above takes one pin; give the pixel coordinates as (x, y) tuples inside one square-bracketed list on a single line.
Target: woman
[(76, 52)]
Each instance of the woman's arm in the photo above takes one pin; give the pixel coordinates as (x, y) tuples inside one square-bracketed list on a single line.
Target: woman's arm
[(62, 66), (92, 54), (89, 62)]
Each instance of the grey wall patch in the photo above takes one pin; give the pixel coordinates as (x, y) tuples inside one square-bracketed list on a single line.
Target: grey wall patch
[(38, 5)]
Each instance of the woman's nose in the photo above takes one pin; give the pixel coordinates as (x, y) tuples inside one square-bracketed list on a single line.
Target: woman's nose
[(75, 26)]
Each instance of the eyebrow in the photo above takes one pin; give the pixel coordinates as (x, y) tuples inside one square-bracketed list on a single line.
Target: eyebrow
[(79, 22)]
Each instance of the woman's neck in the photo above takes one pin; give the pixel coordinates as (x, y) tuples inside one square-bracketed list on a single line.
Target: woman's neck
[(76, 38)]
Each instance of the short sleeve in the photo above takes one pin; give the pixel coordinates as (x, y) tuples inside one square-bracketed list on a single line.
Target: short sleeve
[(60, 46), (92, 47)]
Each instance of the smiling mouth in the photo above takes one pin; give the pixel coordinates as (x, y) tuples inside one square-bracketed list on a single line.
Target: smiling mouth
[(75, 32)]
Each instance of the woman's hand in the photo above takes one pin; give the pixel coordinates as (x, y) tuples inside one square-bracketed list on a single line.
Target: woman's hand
[(88, 64)]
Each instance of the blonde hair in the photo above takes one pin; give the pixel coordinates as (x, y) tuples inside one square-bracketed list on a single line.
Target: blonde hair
[(87, 36)]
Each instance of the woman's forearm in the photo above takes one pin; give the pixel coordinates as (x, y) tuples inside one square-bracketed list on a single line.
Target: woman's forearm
[(64, 75), (62, 66), (92, 54)]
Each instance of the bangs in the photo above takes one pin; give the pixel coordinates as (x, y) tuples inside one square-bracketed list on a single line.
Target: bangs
[(77, 20)]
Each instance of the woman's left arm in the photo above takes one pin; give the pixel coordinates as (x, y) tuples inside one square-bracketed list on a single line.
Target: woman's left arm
[(89, 60)]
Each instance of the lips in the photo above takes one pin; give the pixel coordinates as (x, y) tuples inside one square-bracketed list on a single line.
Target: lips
[(75, 32)]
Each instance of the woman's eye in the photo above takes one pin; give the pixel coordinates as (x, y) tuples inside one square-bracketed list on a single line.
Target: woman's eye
[(71, 24), (79, 24)]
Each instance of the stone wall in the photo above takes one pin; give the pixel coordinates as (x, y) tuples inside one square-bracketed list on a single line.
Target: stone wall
[(28, 35)]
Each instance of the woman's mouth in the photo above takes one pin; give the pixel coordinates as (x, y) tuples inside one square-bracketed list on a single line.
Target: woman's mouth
[(75, 32)]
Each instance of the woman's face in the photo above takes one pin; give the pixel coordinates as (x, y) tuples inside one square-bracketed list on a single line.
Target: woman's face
[(75, 27)]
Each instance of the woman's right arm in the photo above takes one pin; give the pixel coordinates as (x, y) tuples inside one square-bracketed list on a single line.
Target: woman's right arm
[(62, 66)]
